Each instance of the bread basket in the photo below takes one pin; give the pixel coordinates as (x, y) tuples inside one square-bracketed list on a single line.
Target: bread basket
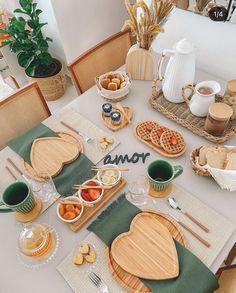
[(197, 168), (113, 96)]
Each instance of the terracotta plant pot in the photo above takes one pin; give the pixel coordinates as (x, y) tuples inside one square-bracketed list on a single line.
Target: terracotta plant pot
[(52, 87)]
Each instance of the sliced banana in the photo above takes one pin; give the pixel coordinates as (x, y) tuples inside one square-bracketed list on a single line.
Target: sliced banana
[(110, 173), (106, 179)]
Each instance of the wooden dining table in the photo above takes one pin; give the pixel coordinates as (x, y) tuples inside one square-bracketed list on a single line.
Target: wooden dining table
[(14, 277)]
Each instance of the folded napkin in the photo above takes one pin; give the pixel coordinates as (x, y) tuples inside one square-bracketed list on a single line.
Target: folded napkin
[(226, 179), (193, 277), (74, 173)]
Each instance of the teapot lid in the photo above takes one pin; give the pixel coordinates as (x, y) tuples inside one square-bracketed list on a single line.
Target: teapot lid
[(184, 47)]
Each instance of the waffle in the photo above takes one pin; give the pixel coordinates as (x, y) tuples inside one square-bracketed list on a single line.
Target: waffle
[(156, 134), (168, 146), (144, 129)]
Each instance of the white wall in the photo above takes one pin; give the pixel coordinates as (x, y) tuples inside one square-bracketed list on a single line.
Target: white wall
[(84, 23), (215, 42)]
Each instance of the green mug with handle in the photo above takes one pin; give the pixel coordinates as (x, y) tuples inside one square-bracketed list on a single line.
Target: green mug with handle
[(161, 173), (17, 197)]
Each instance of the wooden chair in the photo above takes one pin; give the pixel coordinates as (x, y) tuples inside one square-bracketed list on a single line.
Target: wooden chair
[(227, 279), (108, 55), (20, 111)]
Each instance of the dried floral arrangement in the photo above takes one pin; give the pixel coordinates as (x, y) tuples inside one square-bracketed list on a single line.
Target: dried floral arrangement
[(201, 4), (149, 25)]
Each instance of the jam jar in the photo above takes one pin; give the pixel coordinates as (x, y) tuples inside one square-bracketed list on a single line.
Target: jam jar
[(217, 118), (107, 109), (116, 118)]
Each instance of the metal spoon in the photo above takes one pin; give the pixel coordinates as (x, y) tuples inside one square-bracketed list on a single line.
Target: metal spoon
[(174, 204)]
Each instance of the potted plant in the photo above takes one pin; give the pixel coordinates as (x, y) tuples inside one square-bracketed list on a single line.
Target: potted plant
[(32, 49), (146, 27)]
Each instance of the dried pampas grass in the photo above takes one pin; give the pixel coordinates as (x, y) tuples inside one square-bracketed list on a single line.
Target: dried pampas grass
[(149, 25)]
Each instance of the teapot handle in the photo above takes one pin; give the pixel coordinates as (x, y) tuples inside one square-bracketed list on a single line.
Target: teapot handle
[(188, 86), (160, 63)]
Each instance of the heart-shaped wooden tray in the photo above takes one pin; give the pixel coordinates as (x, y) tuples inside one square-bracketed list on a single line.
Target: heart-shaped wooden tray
[(66, 137), (131, 282), (148, 250)]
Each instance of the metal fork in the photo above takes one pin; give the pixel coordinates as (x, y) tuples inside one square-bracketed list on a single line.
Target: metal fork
[(84, 136), (98, 282)]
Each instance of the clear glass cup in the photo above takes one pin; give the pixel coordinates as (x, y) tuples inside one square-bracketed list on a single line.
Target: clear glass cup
[(138, 190)]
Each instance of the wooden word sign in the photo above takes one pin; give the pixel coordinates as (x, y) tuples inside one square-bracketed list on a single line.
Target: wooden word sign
[(122, 159)]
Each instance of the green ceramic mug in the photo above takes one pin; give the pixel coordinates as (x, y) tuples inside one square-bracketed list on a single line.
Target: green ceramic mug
[(161, 174), (17, 197)]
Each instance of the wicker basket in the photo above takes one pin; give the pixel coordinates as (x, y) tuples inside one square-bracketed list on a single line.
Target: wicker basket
[(113, 96), (199, 170), (52, 87)]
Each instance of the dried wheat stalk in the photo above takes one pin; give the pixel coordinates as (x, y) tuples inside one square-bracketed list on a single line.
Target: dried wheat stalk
[(149, 25)]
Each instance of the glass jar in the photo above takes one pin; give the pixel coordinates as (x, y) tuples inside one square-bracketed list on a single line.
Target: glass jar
[(217, 118)]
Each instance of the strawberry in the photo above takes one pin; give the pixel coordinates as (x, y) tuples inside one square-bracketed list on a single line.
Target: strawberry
[(160, 131), (91, 183), (94, 193), (85, 195), (173, 140)]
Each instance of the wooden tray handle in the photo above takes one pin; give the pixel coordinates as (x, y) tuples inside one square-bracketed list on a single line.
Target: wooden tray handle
[(188, 86)]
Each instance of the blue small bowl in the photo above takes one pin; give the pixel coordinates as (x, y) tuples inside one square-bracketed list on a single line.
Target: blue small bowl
[(107, 109)]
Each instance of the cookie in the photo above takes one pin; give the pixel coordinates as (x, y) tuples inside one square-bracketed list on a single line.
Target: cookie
[(109, 139), (78, 259), (91, 257), (172, 142), (144, 129), (84, 248)]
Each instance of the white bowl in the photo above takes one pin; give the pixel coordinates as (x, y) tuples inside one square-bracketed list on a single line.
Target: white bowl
[(94, 201), (108, 94), (99, 173), (71, 198)]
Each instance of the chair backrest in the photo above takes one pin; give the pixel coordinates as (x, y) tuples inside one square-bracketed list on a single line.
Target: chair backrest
[(21, 111), (108, 55)]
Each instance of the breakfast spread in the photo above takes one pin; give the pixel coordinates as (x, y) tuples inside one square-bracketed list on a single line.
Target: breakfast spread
[(85, 253), (218, 157), (105, 141), (113, 81)]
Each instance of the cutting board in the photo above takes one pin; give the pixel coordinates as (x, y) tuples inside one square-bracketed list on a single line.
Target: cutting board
[(147, 250), (129, 281), (50, 154)]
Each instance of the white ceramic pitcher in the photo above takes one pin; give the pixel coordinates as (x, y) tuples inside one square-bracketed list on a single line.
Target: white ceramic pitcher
[(180, 70), (200, 102)]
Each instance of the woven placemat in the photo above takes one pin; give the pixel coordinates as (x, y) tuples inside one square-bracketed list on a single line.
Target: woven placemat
[(181, 114), (220, 231)]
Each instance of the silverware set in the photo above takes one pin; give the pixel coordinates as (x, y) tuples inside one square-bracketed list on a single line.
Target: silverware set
[(174, 205), (98, 282), (83, 135), (15, 168)]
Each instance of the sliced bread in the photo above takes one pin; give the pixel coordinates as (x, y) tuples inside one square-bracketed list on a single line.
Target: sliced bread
[(216, 158), (202, 154), (230, 163)]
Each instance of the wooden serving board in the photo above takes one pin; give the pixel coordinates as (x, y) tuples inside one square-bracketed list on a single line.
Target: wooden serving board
[(148, 250), (131, 282), (66, 136), (107, 120), (89, 212), (157, 149)]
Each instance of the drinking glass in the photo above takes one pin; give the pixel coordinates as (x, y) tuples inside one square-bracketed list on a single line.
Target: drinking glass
[(138, 190)]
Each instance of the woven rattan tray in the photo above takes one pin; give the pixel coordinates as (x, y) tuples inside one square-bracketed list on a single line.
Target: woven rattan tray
[(199, 170), (181, 114)]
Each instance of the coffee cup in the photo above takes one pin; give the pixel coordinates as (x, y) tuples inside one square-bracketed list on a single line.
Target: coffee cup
[(17, 197), (161, 173)]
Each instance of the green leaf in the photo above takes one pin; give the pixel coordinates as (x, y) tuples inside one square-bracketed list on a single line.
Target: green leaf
[(30, 70), (18, 10), (31, 23), (45, 58), (6, 42), (38, 11), (49, 39), (34, 5), (43, 45), (24, 59), (24, 3)]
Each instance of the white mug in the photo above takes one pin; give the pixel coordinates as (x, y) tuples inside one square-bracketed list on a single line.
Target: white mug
[(203, 95)]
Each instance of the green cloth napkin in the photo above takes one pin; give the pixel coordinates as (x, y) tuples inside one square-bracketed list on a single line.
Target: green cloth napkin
[(194, 276), (74, 173)]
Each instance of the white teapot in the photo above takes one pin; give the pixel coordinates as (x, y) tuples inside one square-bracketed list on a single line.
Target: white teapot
[(203, 95), (180, 70)]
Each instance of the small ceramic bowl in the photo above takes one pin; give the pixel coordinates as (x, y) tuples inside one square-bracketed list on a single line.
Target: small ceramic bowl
[(71, 198), (100, 173), (94, 201)]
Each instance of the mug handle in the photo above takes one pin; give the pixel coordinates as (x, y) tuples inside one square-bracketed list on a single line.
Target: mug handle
[(4, 209), (188, 86), (160, 62), (178, 170)]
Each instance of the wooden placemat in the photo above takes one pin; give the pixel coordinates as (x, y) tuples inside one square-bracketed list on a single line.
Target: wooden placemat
[(131, 282), (181, 114), (107, 120), (155, 148), (90, 212)]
